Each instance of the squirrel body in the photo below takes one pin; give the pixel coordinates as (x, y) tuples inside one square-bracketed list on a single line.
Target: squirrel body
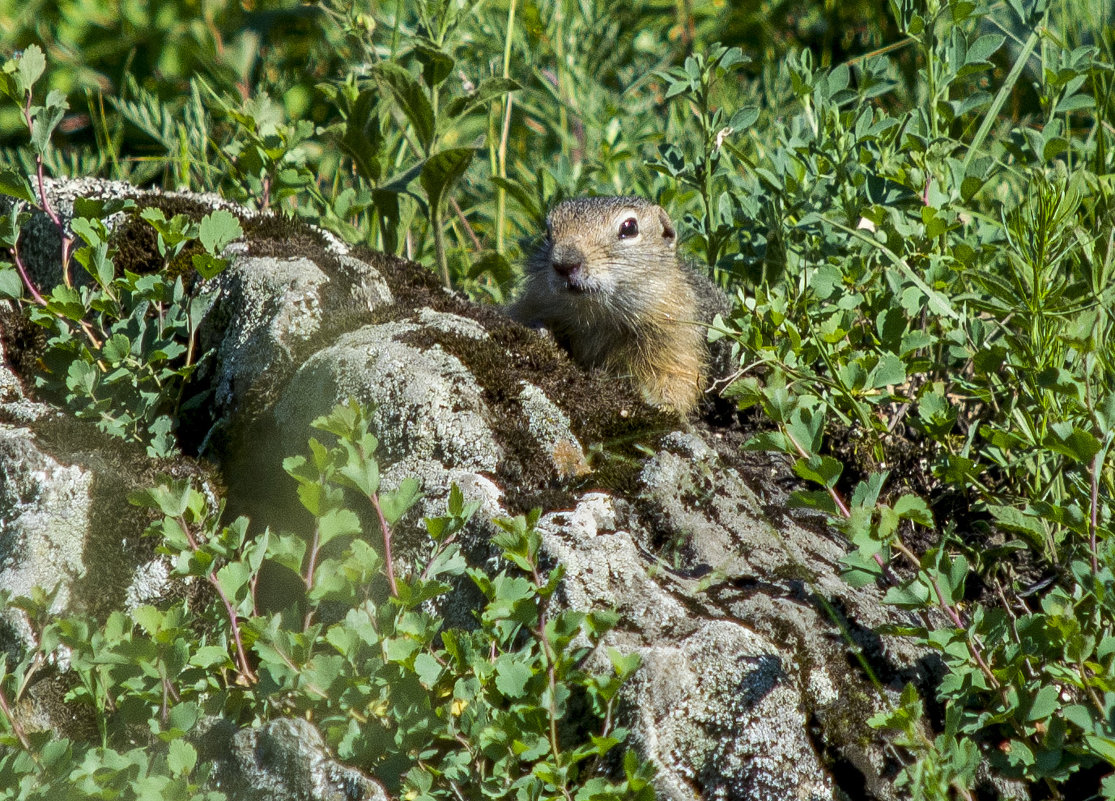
[(608, 283)]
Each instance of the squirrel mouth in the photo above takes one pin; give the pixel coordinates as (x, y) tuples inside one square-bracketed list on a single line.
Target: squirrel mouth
[(577, 284)]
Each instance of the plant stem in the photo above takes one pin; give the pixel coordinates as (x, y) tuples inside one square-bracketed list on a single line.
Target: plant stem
[(241, 654), (843, 507), (439, 246), (389, 563), (39, 299), (953, 616), (551, 672), (40, 175), (501, 157), (17, 727), (230, 611), (1093, 517), (308, 579)]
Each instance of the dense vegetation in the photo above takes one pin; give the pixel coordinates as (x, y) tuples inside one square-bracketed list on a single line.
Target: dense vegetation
[(912, 201)]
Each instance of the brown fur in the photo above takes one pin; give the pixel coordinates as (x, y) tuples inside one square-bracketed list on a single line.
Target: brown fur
[(624, 303)]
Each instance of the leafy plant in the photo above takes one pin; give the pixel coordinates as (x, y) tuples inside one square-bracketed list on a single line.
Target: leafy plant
[(120, 347), (944, 311), (431, 710)]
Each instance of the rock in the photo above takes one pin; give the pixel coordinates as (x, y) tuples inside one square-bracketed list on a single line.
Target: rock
[(266, 311), (283, 760), (44, 518), (65, 524)]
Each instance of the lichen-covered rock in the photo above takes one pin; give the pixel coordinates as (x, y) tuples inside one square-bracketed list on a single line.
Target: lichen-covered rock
[(427, 410), (62, 502), (283, 760), (721, 715), (718, 706), (266, 311), (44, 518)]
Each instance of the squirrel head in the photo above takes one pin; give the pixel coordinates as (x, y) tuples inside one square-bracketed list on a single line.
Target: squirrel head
[(613, 251)]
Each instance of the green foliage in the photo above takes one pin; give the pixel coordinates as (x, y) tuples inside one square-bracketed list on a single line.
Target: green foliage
[(120, 346), (911, 199), (431, 710), (938, 293)]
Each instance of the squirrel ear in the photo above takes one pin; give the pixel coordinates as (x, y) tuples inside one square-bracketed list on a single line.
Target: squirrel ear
[(668, 231)]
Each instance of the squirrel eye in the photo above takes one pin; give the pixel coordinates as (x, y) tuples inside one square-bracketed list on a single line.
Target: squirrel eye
[(628, 228)]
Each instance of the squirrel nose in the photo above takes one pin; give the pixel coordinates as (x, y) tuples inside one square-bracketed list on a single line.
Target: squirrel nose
[(567, 260)]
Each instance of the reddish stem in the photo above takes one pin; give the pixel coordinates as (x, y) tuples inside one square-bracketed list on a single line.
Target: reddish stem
[(387, 558), (308, 579), (67, 241), (234, 622), (16, 726), (241, 654), (26, 278), (831, 490)]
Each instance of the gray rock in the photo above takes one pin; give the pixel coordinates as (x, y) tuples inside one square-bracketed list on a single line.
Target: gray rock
[(44, 519), (266, 310), (427, 410), (285, 760), (717, 706)]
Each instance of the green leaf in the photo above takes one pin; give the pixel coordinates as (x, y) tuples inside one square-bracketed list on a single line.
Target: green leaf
[(81, 378), (208, 656), (46, 119), (232, 577), (1103, 747), (208, 266), (1018, 521), (217, 230), (890, 371), (30, 66), (1076, 443), (912, 507), (338, 523), (488, 90), (362, 473), (362, 138), (442, 171), (66, 302), (624, 664), (823, 470), (427, 669), (410, 97), (184, 716), (287, 550), (1076, 102), (436, 64), (11, 285), (395, 504), (148, 618), (859, 570), (15, 184), (744, 118), (399, 649), (1045, 702), (181, 757), (511, 675), (116, 348), (821, 501), (983, 48)]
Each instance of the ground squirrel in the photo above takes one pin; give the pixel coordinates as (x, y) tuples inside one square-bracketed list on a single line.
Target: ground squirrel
[(608, 283)]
